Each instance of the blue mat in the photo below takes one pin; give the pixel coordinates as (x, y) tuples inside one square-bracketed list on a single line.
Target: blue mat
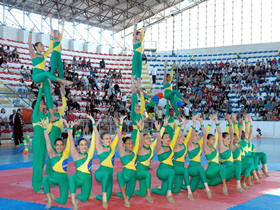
[(11, 204), (15, 166), (264, 202)]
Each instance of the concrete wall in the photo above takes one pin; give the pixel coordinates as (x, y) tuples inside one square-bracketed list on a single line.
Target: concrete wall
[(70, 44)]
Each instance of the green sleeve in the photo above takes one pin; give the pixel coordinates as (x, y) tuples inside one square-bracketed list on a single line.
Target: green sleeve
[(133, 102), (36, 109), (167, 109)]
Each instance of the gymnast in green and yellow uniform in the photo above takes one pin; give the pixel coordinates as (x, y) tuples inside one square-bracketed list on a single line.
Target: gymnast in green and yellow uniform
[(145, 154), (57, 126), (242, 167), (138, 37), (127, 177), (225, 145), (245, 156), (165, 152), (105, 148), (137, 111), (55, 61), (259, 157), (38, 141), (172, 125), (196, 171), (83, 164), (179, 158), (59, 162), (39, 73), (171, 95), (215, 173)]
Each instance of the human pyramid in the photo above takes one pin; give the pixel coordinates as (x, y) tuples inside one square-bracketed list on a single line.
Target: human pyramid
[(235, 157)]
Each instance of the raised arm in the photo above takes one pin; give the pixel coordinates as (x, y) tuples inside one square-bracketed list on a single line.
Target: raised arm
[(230, 130), (116, 139), (205, 146), (220, 137), (73, 150), (235, 125), (193, 126), (92, 143), (45, 54), (165, 73), (250, 135), (62, 29), (137, 143), (142, 99), (30, 46), (140, 125), (142, 31), (120, 145), (176, 135), (135, 30), (158, 136), (51, 28), (64, 101), (50, 150), (134, 100)]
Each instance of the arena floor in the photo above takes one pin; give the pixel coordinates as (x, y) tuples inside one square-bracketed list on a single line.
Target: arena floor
[(16, 191)]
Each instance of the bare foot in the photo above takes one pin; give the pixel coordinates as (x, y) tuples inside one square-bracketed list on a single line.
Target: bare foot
[(75, 205), (244, 186), (209, 194), (92, 197), (190, 196), (49, 205), (170, 199), (150, 199), (225, 191), (265, 172), (105, 205), (126, 203), (240, 189), (40, 192)]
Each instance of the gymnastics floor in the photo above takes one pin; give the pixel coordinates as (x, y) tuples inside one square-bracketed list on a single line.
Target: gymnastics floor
[(16, 191)]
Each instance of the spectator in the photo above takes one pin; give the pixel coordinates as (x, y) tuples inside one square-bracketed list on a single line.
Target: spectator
[(102, 64), (12, 120), (15, 56), (18, 127), (144, 58), (4, 117), (7, 53), (74, 61), (154, 75)]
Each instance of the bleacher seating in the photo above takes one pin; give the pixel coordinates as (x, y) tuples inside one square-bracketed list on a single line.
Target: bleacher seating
[(112, 61)]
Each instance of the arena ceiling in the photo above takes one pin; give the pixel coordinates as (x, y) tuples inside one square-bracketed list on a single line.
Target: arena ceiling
[(114, 15)]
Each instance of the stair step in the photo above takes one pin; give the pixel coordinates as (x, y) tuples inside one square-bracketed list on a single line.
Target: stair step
[(4, 102), (4, 89)]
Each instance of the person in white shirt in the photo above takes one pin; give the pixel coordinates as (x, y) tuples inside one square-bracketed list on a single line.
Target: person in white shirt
[(154, 75)]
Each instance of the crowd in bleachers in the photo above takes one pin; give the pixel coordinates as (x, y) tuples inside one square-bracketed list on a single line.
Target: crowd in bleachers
[(222, 86)]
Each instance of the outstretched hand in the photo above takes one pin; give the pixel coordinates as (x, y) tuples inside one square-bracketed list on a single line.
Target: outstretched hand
[(43, 123), (91, 118), (77, 122), (122, 118), (140, 124), (165, 121), (157, 125), (65, 123)]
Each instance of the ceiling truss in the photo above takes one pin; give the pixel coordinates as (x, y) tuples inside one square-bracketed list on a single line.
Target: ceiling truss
[(114, 15)]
